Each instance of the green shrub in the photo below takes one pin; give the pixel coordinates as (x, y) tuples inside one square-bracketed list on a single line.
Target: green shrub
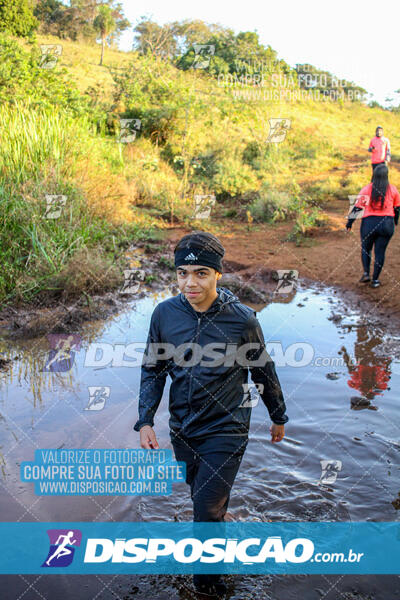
[(320, 191), (307, 218), (271, 205), (16, 17), (22, 80), (234, 178)]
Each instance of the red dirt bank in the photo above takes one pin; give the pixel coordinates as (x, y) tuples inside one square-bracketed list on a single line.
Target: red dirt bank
[(333, 258)]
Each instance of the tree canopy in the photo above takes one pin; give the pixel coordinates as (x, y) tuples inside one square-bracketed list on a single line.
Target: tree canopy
[(17, 18), (77, 21)]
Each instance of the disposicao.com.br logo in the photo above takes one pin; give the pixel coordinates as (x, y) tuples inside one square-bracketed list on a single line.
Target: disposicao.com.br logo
[(248, 547), (212, 550), (196, 547)]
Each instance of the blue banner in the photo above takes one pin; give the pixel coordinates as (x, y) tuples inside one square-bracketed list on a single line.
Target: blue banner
[(103, 472), (186, 547)]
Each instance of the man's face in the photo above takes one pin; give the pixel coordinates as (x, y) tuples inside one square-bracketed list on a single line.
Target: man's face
[(197, 283), (379, 132)]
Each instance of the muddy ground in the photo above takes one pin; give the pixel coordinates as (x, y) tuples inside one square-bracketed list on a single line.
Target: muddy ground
[(329, 256)]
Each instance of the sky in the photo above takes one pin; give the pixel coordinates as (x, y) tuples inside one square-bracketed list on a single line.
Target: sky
[(357, 40)]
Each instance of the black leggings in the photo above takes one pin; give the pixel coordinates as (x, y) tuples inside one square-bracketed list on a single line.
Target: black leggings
[(375, 230)]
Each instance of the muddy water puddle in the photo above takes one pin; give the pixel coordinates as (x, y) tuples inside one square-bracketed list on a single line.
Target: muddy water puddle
[(339, 460)]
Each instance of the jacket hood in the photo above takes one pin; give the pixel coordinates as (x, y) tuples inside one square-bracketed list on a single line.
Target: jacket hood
[(225, 297)]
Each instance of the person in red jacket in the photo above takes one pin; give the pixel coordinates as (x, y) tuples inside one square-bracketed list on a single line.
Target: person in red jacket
[(380, 201), (379, 147), (370, 373)]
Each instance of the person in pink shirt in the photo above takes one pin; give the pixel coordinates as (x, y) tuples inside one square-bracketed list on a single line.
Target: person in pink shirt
[(379, 147), (380, 201)]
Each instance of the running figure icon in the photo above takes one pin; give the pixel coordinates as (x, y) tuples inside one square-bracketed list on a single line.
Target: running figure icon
[(62, 550)]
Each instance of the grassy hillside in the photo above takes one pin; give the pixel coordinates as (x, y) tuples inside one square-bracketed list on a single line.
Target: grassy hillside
[(82, 62), (60, 132)]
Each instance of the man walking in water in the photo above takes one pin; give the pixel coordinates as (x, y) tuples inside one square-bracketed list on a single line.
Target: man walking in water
[(208, 401), (379, 146)]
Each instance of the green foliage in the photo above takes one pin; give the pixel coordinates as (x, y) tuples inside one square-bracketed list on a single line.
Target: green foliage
[(309, 77), (253, 152), (22, 79), (308, 216), (16, 17), (307, 151), (48, 13), (32, 143), (104, 24), (271, 205), (77, 21), (355, 180), (159, 40), (263, 157), (233, 178), (166, 262), (375, 104), (40, 152), (150, 278), (35, 252), (205, 166), (194, 139), (235, 54), (322, 191), (156, 123)]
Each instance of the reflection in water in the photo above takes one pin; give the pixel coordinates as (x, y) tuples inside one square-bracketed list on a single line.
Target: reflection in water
[(32, 360), (48, 363), (371, 373)]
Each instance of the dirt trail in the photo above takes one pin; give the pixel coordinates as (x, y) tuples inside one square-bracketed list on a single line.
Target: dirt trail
[(332, 256), (329, 256)]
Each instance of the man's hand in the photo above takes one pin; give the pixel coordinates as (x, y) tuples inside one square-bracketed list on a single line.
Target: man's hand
[(277, 432), (148, 438)]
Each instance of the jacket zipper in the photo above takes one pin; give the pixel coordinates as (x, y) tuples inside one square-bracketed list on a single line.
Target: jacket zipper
[(191, 368)]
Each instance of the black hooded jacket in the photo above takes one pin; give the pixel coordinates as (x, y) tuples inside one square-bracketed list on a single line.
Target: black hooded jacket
[(206, 400)]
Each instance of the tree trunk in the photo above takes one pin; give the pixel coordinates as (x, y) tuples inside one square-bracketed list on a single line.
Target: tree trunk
[(102, 51)]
